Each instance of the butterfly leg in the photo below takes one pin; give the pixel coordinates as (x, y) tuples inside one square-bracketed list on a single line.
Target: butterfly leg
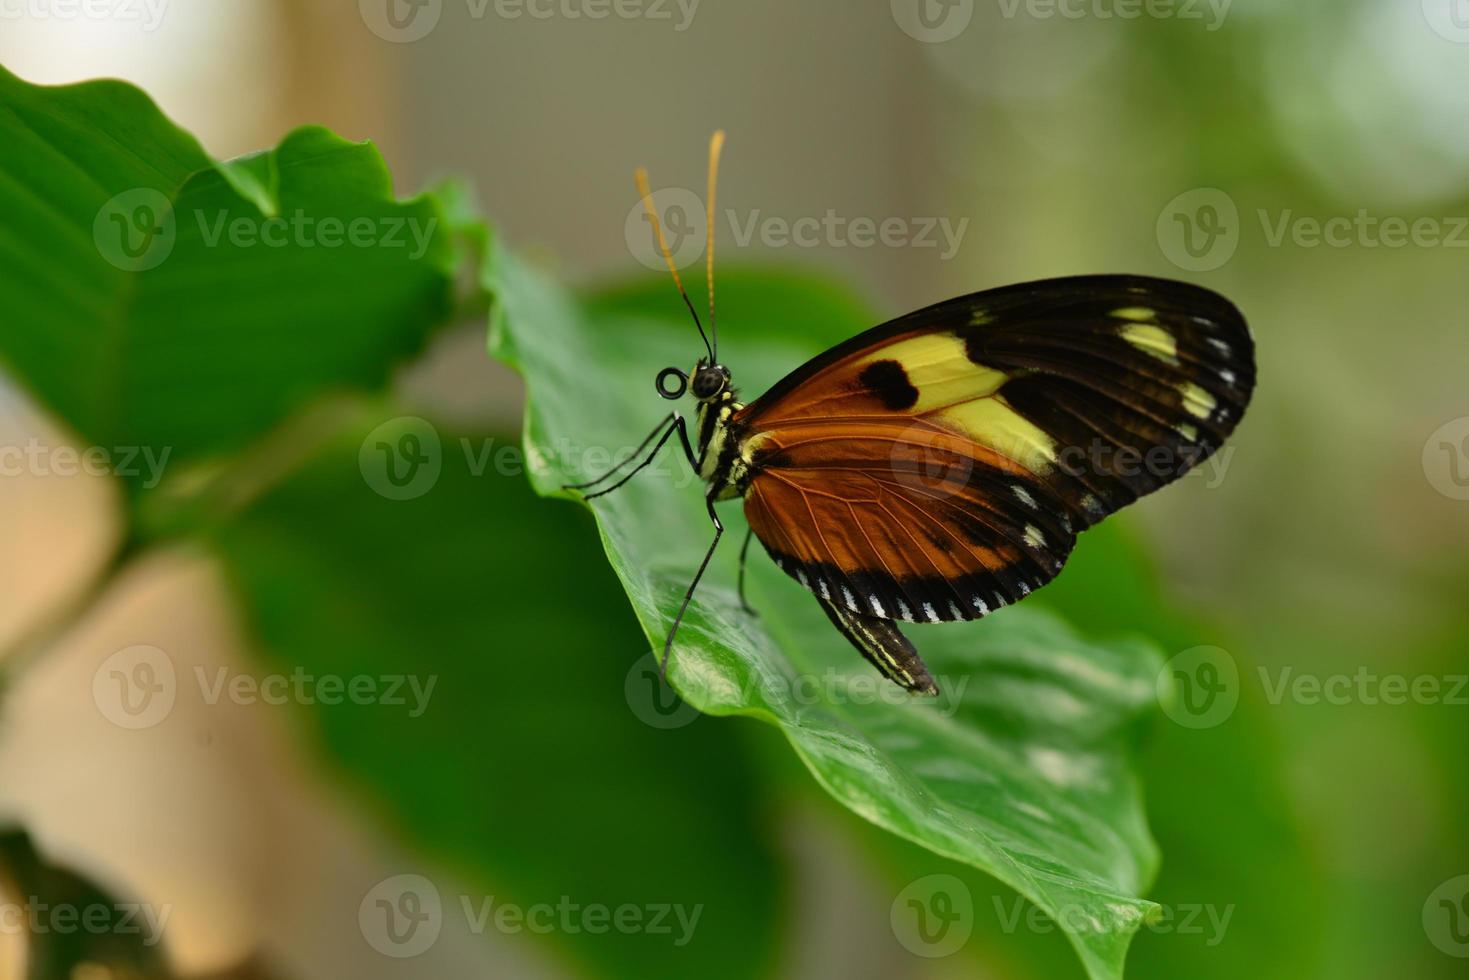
[(744, 550), (678, 425), (666, 421), (689, 595)]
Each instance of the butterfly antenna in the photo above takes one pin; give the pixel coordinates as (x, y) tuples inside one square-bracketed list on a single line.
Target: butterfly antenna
[(716, 144), (641, 177)]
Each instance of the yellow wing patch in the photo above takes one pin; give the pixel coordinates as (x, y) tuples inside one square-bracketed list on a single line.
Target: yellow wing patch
[(962, 396), (1153, 340), (992, 422), (1198, 402), (937, 365)]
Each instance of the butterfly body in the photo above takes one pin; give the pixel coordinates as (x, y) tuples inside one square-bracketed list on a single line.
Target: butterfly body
[(940, 466), (724, 456)]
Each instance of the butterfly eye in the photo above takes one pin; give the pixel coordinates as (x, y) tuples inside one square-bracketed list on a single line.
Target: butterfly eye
[(709, 382), (679, 378)]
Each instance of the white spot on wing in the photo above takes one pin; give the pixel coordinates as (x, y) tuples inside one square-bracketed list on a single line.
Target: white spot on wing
[(876, 605), (1034, 536), (1023, 495), (928, 610), (980, 605)]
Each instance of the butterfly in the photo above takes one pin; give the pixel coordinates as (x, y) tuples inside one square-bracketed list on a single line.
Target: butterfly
[(940, 466)]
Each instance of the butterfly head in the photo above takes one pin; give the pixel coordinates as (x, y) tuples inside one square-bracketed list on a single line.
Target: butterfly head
[(708, 381)]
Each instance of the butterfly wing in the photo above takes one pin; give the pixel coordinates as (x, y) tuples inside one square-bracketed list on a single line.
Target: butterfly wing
[(940, 465)]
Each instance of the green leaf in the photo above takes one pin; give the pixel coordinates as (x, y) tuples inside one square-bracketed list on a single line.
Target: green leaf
[(1020, 769), (1240, 880), (155, 299), (526, 775)]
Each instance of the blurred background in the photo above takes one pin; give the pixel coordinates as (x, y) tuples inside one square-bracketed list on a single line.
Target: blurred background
[(1309, 159)]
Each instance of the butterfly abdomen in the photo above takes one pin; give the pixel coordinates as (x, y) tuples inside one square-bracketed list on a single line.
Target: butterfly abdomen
[(884, 646)]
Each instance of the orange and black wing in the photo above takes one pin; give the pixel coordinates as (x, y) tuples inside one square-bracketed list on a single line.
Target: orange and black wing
[(939, 466)]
